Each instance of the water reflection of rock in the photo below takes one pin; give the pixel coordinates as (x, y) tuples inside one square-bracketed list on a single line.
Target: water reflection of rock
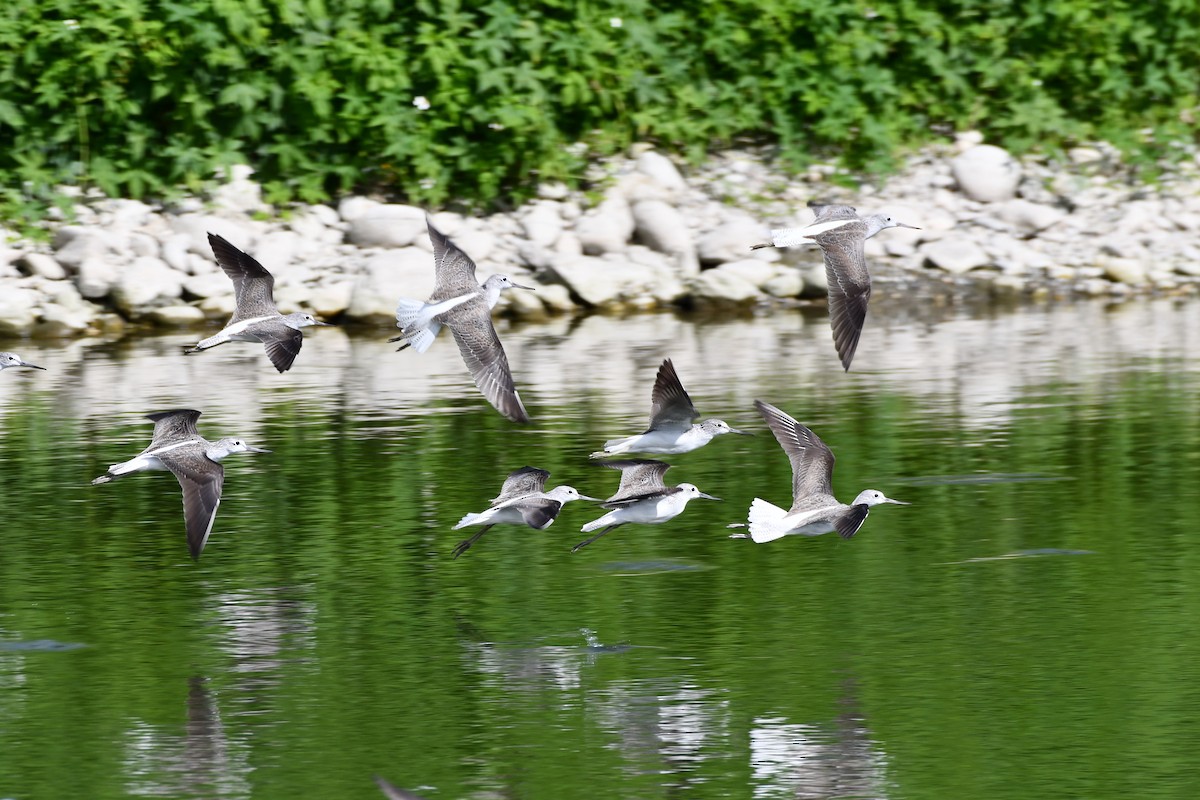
[(535, 668), (200, 761), (817, 761), (980, 363)]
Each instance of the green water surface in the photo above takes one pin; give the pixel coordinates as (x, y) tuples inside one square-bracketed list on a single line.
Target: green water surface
[(1027, 628)]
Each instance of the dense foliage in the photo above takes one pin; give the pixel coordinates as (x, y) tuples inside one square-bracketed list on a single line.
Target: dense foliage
[(434, 100)]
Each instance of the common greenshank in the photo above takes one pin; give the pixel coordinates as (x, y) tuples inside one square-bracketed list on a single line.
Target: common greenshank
[(256, 318), (522, 501), (671, 422), (461, 304), (841, 234), (9, 360), (642, 497), (814, 509), (176, 446)]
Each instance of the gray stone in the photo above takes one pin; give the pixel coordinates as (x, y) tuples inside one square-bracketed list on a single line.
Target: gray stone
[(731, 241), (75, 245), (1124, 270), (175, 251), (277, 252), (388, 276), (1028, 218), (144, 284), (715, 285), (389, 225), (176, 315), (354, 207), (42, 265), (786, 284), (239, 194), (604, 281), (237, 231), (95, 277), (128, 214), (208, 285), (751, 270), (542, 224), (331, 299), (553, 190), (661, 227), (662, 171), (58, 321), (608, 228), (18, 310), (955, 254), (143, 244), (986, 173)]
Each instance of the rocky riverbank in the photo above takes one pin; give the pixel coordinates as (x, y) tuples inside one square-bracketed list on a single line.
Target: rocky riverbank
[(649, 235)]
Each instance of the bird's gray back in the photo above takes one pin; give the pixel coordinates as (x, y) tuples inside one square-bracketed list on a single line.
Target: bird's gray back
[(253, 285), (670, 404)]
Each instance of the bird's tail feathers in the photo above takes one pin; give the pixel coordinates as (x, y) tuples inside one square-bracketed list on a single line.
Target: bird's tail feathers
[(614, 446), (597, 524), (766, 521), (468, 519)]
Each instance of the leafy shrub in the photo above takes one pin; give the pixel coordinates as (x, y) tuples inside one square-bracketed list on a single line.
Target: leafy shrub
[(322, 96)]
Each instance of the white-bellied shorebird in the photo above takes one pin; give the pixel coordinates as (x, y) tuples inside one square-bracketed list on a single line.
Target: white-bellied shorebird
[(841, 235), (522, 501), (814, 509), (10, 360), (461, 304), (176, 446), (255, 318), (672, 415), (642, 497)]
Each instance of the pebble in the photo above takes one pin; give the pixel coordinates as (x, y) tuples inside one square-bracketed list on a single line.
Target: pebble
[(656, 238)]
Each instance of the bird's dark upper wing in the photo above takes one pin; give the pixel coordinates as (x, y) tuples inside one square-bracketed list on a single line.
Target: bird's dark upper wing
[(849, 285), (848, 524), (539, 513), (670, 405), (253, 286), (201, 479), (283, 344), (640, 478), (471, 324)]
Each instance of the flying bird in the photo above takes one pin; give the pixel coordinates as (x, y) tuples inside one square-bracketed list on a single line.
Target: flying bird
[(671, 422), (256, 319), (814, 509), (841, 234), (641, 497), (176, 446), (522, 501), (461, 304)]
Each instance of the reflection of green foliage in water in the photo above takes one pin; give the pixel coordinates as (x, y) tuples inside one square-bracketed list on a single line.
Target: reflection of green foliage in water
[(336, 638)]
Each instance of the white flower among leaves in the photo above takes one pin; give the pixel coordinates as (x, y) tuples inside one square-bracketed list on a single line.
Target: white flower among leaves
[(421, 103), (615, 22)]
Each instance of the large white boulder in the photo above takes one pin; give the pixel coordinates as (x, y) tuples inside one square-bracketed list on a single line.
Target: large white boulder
[(986, 173)]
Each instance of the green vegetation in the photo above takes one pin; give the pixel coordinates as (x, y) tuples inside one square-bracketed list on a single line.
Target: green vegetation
[(443, 101)]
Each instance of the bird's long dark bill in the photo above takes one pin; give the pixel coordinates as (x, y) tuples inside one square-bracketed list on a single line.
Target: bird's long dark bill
[(708, 496), (519, 286), (743, 433), (899, 502), (31, 366), (256, 450)]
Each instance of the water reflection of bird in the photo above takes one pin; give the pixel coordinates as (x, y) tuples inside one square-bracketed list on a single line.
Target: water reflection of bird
[(814, 509), (522, 501), (642, 497), (841, 234), (394, 792), (256, 318), (671, 421), (10, 360), (176, 446), (461, 304)]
